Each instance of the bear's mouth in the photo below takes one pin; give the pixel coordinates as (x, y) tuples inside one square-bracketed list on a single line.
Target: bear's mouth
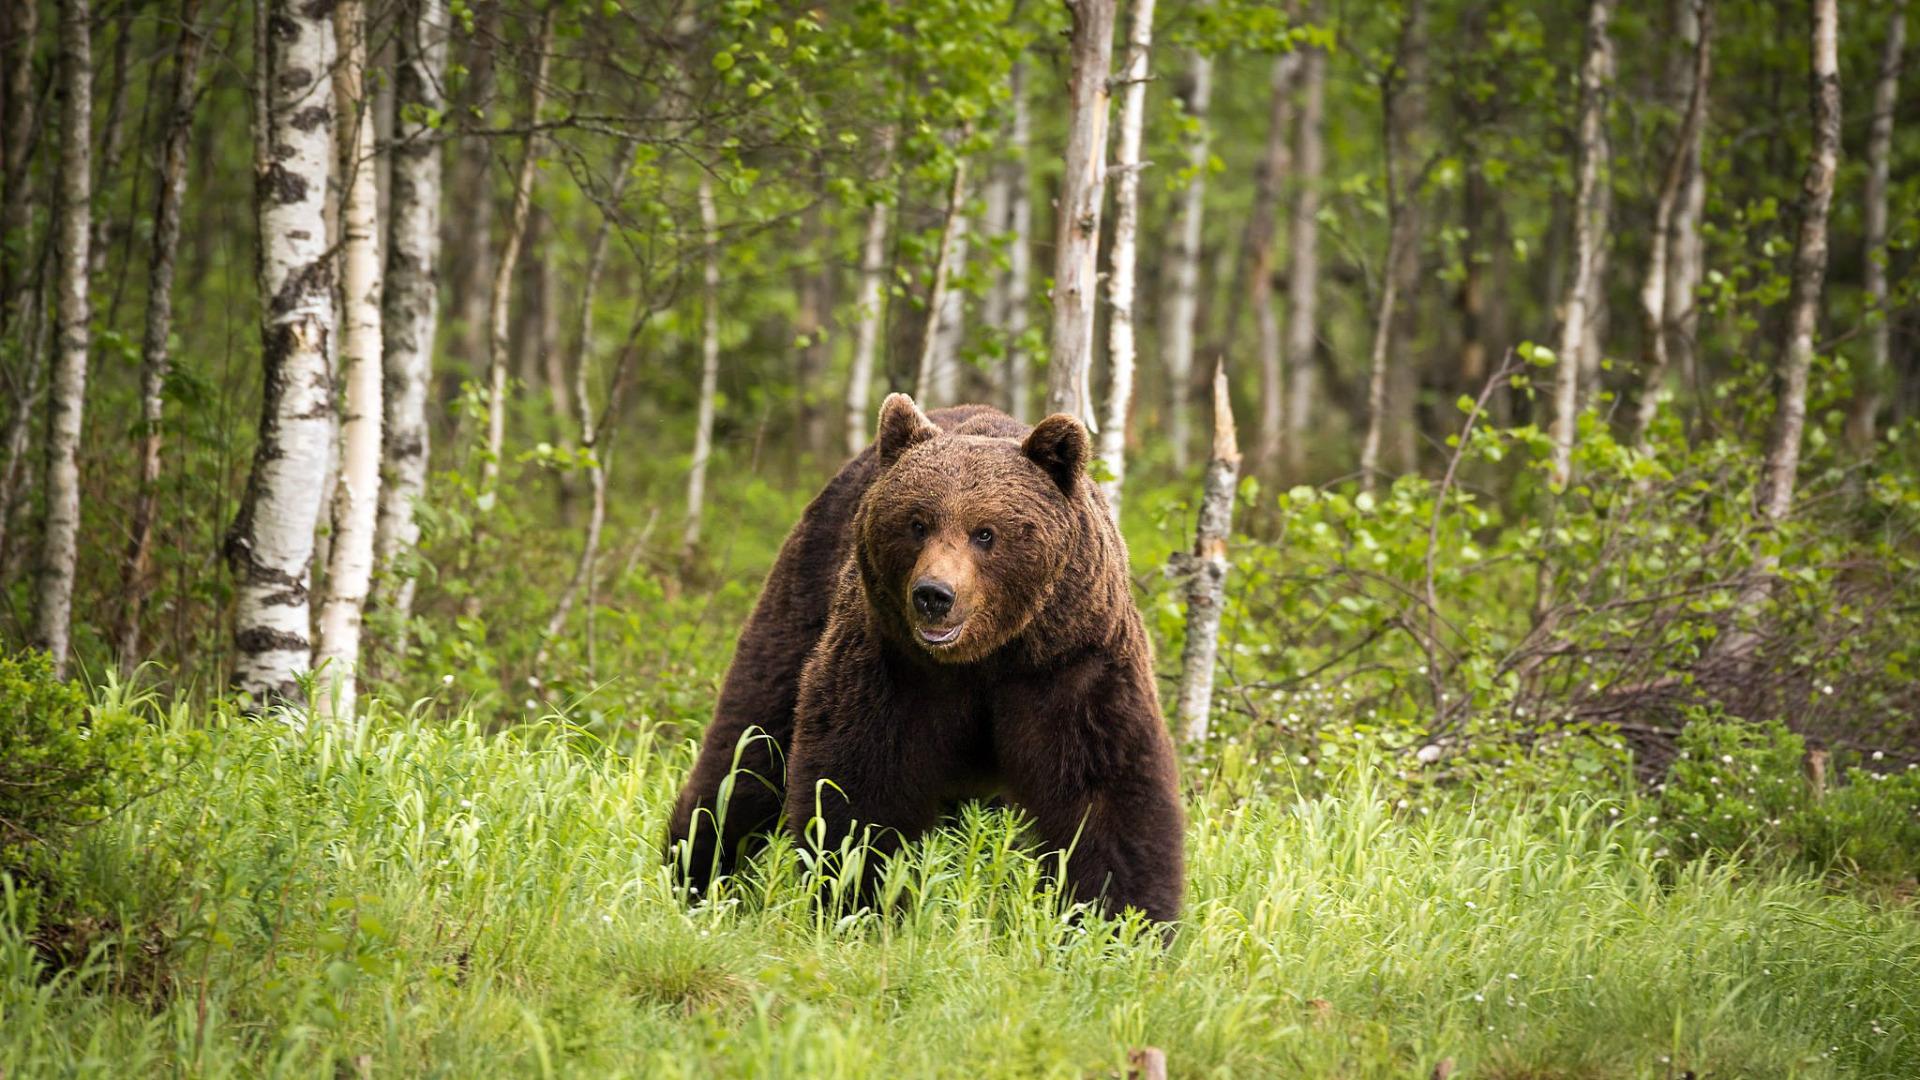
[(943, 635)]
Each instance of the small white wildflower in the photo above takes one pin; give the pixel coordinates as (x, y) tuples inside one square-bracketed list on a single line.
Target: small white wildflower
[(1481, 997), (1402, 804), (1879, 755), (1428, 754), (446, 680), (532, 704), (1513, 974), (1827, 689), (466, 804), (533, 681), (1655, 820), (1613, 811), (606, 918)]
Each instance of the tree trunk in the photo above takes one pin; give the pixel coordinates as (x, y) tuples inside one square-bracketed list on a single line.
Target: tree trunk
[(1082, 188), (156, 360), (933, 382), (709, 367), (1657, 317), (19, 31), (1126, 225), (53, 606), (470, 232), (1401, 113), (1686, 254), (410, 304), (1255, 285), (1778, 472), (1303, 273), (871, 305), (1019, 248), (270, 545), (1589, 232), (357, 494), (1182, 305), (1862, 413), (1206, 569), (1809, 273), (583, 404)]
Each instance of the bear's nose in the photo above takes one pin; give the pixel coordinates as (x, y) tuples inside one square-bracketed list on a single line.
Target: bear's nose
[(932, 599)]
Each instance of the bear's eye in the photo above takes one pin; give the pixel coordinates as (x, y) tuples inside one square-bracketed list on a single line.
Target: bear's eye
[(983, 537), (919, 529)]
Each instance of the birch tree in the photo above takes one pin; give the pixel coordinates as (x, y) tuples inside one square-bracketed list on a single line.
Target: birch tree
[(1206, 570), (1303, 262), (935, 377), (1686, 252), (1019, 378), (53, 603), (709, 366), (1774, 499), (1182, 304), (156, 359), (1658, 316), (270, 545), (1589, 233), (356, 495), (409, 315), (1126, 225), (870, 306), (1082, 188), (1258, 266), (1862, 413)]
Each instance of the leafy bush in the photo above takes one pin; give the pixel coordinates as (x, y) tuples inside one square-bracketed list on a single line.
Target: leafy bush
[(64, 764), (1741, 788)]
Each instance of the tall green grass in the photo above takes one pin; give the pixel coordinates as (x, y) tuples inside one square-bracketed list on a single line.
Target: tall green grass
[(421, 898)]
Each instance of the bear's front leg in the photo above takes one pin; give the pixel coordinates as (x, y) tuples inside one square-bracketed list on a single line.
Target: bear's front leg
[(869, 761), (1085, 753)]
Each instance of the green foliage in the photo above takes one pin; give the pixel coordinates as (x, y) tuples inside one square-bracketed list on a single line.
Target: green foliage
[(1741, 789), (65, 764)]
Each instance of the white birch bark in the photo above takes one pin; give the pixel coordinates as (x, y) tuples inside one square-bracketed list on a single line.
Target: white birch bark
[(1686, 255), (1126, 225), (1862, 414), (1019, 248), (53, 603), (1082, 189), (1402, 112), (356, 496), (709, 366), (931, 384), (270, 545), (1262, 225), (1657, 315), (1206, 570), (871, 307), (1182, 305), (409, 316), (1589, 232), (156, 361), (950, 322), (1303, 273)]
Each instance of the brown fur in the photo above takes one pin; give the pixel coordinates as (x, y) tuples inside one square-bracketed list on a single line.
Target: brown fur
[(1045, 692)]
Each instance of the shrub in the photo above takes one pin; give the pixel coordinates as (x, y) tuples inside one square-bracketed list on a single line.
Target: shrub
[(64, 765)]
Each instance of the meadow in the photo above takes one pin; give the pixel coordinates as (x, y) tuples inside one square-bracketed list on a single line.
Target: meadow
[(419, 897)]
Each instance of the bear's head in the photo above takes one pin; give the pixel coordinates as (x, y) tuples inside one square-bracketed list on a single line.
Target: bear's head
[(963, 535)]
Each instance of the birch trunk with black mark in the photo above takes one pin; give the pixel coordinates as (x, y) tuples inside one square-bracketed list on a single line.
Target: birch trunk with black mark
[(356, 494), (59, 551), (1205, 570), (1589, 233), (1778, 472), (1862, 412), (932, 383), (156, 359), (1303, 262), (409, 309), (949, 326), (582, 396), (1657, 317), (1019, 380), (1126, 227), (870, 305), (270, 545), (1686, 255), (1082, 189), (709, 367), (1182, 305), (19, 32)]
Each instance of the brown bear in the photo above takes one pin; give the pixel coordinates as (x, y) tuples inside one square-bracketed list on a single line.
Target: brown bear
[(951, 618)]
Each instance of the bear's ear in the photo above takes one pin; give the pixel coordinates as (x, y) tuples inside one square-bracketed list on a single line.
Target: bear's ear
[(1058, 444), (902, 427)]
